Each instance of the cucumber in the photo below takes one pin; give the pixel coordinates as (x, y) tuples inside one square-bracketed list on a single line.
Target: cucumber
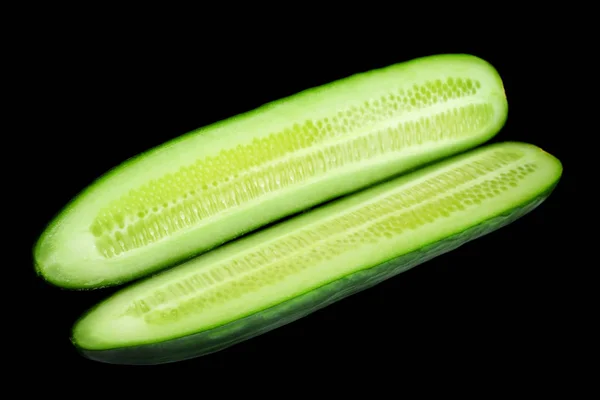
[(219, 182), (286, 271)]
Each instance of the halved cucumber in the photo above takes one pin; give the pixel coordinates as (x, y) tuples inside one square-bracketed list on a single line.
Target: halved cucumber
[(221, 181), (272, 277)]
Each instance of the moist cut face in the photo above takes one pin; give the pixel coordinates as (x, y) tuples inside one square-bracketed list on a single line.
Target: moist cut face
[(433, 199), (219, 182), (239, 175)]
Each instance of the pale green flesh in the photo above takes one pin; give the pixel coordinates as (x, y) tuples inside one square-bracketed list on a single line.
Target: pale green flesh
[(142, 314), (70, 254)]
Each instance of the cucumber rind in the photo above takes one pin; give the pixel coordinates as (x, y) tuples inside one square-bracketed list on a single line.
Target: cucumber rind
[(232, 333)]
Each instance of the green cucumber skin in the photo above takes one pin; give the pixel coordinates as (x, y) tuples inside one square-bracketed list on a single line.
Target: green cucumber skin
[(56, 220), (230, 334)]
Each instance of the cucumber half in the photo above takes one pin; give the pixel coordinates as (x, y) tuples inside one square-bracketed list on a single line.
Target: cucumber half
[(221, 181), (284, 272)]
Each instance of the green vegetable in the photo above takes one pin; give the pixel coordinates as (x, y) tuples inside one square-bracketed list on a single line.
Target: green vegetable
[(214, 184), (284, 272)]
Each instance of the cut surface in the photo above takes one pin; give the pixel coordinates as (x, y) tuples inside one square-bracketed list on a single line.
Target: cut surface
[(221, 181), (207, 302)]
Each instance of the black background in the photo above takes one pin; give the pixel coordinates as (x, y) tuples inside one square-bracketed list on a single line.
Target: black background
[(101, 97)]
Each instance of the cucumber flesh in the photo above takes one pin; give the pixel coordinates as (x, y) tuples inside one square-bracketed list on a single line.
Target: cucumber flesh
[(221, 181), (286, 271)]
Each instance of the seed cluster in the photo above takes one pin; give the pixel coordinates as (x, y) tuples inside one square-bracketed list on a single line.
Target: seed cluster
[(245, 173)]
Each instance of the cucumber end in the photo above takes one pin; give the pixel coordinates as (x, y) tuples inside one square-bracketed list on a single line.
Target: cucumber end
[(47, 268), (557, 163), (84, 335), (53, 273), (44, 264)]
